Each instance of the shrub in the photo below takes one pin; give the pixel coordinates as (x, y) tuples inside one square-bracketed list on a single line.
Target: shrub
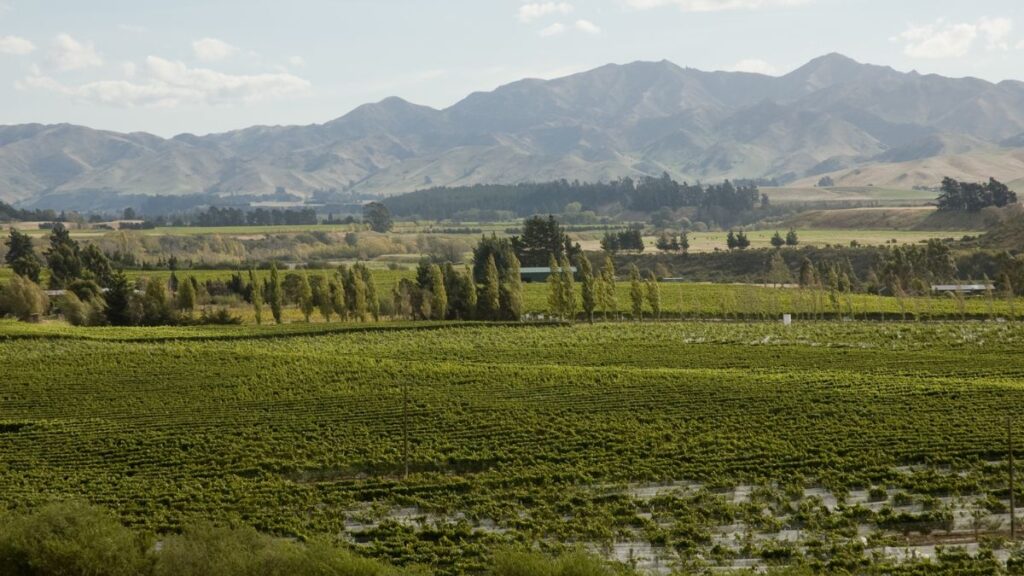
[(70, 539), (23, 299)]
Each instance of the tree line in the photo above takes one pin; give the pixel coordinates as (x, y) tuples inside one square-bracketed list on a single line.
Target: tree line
[(956, 196)]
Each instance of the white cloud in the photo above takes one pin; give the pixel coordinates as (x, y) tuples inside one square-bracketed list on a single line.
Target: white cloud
[(169, 84), (16, 45), (997, 32), (714, 5), (70, 54), (588, 27), (297, 61), (212, 49), (755, 66), (943, 39), (533, 11), (553, 30)]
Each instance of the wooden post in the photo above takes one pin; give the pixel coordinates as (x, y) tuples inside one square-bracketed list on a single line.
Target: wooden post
[(405, 427), (1013, 506)]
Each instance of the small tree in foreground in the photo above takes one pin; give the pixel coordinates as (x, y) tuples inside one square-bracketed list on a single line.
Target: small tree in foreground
[(23, 299)]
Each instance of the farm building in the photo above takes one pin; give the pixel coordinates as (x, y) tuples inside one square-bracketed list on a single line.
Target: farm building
[(539, 273), (962, 288)]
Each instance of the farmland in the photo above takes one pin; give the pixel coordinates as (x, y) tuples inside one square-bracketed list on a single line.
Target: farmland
[(688, 445)]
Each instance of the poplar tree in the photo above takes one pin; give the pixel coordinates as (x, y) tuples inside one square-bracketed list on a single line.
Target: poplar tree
[(337, 297), (372, 299), (589, 288), (556, 306), (306, 303), (470, 296), (187, 297), (490, 298), (636, 293), (275, 296), (358, 296), (322, 296), (654, 295), (512, 292), (568, 286), (611, 299), (439, 295), (257, 297)]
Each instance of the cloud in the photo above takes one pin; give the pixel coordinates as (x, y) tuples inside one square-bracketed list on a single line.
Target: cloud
[(16, 45), (943, 39), (533, 11), (1020, 45), (997, 32), (553, 30), (168, 84), (212, 49), (67, 53), (755, 66), (297, 61), (714, 5), (588, 27)]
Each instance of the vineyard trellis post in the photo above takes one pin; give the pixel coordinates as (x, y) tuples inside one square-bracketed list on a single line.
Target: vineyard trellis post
[(405, 427), (1013, 503)]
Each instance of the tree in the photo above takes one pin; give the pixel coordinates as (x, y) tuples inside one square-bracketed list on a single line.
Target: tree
[(370, 287), (568, 287), (541, 237), (778, 241), (470, 296), (156, 308), (588, 288), (730, 240), (742, 242), (512, 292), (187, 297), (610, 298), (778, 270), (489, 301), (96, 263), (322, 298), (826, 182), (636, 293), (791, 238), (359, 301), (439, 295), (118, 300), (556, 306), (653, 295), (337, 296), (378, 217), (275, 294), (257, 297), (21, 256), (684, 242), (63, 257), (23, 299), (664, 242)]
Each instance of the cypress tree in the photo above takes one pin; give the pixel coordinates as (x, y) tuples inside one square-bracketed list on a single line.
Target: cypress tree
[(469, 295), (372, 299), (118, 300), (654, 295), (359, 309), (306, 303), (187, 297), (512, 292), (322, 297), (337, 297)]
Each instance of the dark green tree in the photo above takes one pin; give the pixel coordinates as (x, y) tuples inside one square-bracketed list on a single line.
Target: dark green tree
[(588, 288), (730, 240), (275, 294), (63, 257), (118, 299), (21, 256), (791, 238), (378, 217), (489, 301), (256, 296), (778, 241), (541, 237), (636, 293)]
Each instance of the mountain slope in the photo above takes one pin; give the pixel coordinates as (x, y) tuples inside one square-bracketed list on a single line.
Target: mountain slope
[(831, 116)]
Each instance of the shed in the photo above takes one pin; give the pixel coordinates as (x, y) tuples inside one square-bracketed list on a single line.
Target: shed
[(539, 273), (962, 288)]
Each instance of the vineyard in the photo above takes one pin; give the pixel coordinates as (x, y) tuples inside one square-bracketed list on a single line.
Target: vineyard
[(672, 445)]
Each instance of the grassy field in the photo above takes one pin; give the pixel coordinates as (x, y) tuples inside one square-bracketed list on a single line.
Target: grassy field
[(690, 445), (882, 196)]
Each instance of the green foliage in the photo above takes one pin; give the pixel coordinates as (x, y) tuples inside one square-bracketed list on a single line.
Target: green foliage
[(653, 294), (21, 255), (275, 294), (636, 293), (305, 297), (63, 257), (489, 301), (187, 296), (70, 539), (378, 217), (256, 296), (541, 238), (118, 299), (23, 299), (567, 286), (439, 296), (589, 288)]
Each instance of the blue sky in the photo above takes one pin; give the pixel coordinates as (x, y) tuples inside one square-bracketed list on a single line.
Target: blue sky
[(212, 65)]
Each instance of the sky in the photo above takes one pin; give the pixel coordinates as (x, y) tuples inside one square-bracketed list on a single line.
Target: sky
[(203, 66)]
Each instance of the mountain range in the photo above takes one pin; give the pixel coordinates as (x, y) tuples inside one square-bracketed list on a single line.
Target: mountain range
[(832, 116)]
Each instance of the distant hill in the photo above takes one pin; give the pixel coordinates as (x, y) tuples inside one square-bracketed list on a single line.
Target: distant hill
[(860, 123)]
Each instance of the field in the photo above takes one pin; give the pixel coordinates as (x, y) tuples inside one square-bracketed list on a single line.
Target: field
[(863, 194), (687, 445)]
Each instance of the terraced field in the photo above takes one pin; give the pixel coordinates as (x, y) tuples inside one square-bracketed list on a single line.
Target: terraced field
[(672, 445)]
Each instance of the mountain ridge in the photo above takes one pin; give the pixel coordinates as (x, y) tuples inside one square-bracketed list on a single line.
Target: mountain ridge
[(831, 115)]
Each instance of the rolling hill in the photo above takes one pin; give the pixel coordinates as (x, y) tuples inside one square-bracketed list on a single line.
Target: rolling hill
[(860, 123)]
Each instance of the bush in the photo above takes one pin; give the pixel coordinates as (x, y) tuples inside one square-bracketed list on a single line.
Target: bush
[(518, 563), (70, 539), (23, 299), (220, 316)]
